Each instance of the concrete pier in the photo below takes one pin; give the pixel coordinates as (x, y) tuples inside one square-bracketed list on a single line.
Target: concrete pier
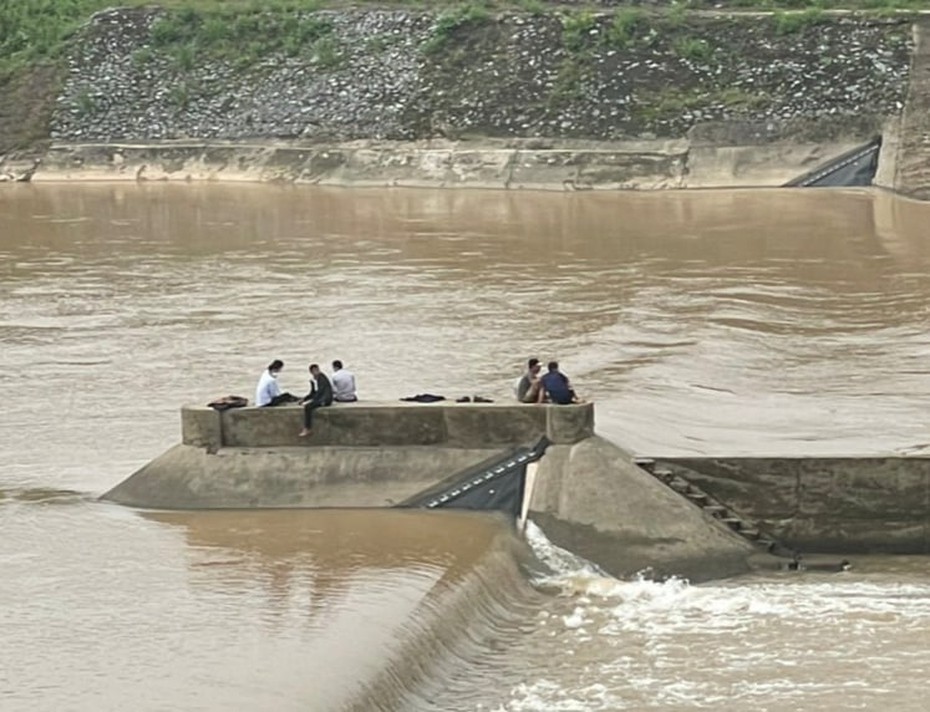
[(593, 500), (590, 497), (359, 455)]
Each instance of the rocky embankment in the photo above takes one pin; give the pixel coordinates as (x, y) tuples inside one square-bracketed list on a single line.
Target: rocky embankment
[(641, 91)]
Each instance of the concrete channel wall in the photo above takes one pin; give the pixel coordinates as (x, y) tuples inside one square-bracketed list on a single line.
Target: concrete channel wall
[(834, 504), (565, 165)]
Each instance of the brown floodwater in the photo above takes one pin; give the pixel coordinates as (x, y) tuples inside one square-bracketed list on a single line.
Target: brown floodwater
[(716, 322)]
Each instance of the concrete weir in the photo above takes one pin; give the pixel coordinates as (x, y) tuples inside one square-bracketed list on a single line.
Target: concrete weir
[(589, 495)]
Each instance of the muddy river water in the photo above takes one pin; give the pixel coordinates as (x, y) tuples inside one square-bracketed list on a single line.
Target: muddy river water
[(724, 322)]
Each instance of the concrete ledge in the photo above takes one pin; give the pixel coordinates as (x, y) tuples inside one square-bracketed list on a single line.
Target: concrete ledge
[(726, 160), (201, 427), (460, 425), (569, 424), (187, 477)]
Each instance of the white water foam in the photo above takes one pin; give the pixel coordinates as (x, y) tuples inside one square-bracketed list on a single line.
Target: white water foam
[(778, 642)]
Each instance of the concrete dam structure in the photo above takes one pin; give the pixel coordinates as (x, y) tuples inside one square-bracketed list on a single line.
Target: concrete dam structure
[(700, 518), (589, 495)]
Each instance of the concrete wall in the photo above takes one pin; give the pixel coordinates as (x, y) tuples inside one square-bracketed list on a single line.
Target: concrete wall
[(457, 425), (189, 477), (909, 154), (871, 504), (591, 499), (515, 164), (360, 454)]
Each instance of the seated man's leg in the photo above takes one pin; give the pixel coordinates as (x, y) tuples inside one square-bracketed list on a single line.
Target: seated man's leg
[(309, 407), (532, 395)]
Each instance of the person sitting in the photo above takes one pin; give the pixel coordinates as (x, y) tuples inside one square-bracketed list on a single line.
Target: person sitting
[(527, 389), (320, 396), (268, 392), (556, 386), (343, 384)]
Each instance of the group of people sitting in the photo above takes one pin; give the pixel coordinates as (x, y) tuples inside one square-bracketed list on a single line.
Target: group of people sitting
[(551, 387), (324, 390)]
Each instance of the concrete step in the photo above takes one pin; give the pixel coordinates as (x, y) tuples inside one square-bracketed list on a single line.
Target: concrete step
[(750, 533), (646, 463), (679, 485), (765, 543), (716, 510), (699, 498), (735, 523)]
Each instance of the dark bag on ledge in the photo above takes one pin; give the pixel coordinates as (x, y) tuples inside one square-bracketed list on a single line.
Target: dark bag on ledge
[(227, 402)]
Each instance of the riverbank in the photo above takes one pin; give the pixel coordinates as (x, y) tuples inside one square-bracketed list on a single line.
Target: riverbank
[(565, 98), (540, 164)]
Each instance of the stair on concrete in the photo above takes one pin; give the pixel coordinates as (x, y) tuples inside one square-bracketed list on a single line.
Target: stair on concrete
[(699, 498), (714, 508)]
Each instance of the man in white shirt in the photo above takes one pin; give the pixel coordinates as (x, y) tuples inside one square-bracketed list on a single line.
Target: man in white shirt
[(343, 384), (268, 392)]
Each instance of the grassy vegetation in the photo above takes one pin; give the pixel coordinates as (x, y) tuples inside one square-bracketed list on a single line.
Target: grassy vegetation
[(85, 103), (628, 26), (576, 29), (567, 86), (451, 20), (787, 23), (243, 36), (34, 31), (694, 49), (670, 103)]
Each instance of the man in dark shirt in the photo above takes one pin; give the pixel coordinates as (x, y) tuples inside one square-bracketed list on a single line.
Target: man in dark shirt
[(556, 385), (320, 396)]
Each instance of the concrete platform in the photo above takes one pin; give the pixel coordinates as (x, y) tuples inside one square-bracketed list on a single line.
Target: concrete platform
[(390, 424), (590, 499)]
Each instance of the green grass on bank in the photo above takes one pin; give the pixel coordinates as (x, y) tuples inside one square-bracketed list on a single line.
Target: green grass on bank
[(38, 30), (33, 31)]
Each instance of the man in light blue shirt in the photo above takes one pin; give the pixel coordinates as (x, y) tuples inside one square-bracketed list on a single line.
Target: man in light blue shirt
[(343, 384)]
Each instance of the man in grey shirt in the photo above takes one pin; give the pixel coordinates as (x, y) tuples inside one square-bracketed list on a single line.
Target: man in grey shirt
[(528, 386), (343, 384)]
